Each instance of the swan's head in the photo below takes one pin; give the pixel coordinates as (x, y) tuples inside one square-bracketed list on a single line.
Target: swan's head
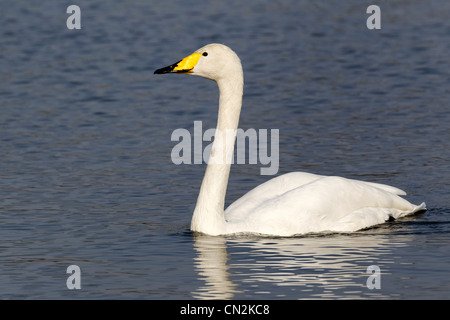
[(213, 61)]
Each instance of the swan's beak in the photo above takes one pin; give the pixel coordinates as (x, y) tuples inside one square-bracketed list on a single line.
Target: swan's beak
[(183, 66)]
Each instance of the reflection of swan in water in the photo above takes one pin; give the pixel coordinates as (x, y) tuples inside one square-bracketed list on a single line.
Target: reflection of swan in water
[(211, 262), (332, 266), (294, 203)]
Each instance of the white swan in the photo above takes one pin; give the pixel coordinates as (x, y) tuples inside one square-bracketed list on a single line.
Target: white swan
[(291, 204)]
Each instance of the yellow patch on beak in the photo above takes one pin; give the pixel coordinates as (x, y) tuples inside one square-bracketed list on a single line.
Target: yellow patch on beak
[(188, 63)]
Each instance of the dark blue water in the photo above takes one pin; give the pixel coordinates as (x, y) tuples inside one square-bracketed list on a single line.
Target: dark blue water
[(86, 176)]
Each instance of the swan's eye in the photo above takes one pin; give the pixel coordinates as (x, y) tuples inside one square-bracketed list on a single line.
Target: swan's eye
[(205, 54)]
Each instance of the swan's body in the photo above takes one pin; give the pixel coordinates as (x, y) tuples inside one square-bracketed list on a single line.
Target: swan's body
[(291, 204)]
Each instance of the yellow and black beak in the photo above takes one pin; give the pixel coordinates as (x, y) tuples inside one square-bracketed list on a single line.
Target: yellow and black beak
[(183, 66)]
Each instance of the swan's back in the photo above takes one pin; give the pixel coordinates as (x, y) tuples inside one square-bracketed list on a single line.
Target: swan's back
[(268, 190), (298, 203)]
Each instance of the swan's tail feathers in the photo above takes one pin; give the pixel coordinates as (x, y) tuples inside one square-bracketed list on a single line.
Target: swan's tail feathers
[(415, 209), (368, 217), (420, 208)]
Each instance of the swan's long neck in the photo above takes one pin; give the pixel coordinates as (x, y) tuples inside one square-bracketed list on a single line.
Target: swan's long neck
[(208, 215)]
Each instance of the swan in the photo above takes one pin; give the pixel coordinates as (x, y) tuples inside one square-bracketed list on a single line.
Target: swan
[(291, 204)]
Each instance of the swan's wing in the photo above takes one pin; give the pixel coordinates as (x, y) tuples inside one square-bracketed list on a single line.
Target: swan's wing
[(282, 184), (324, 204), (269, 190), (385, 187)]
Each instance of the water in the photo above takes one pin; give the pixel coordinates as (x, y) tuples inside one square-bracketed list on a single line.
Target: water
[(86, 176)]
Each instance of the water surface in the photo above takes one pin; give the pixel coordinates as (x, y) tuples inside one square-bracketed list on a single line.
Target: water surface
[(86, 176)]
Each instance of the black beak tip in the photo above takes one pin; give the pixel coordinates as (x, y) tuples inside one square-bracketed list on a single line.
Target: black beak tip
[(168, 69), (162, 70)]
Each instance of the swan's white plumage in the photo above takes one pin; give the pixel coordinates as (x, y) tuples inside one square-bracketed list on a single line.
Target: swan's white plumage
[(291, 204), (303, 203)]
